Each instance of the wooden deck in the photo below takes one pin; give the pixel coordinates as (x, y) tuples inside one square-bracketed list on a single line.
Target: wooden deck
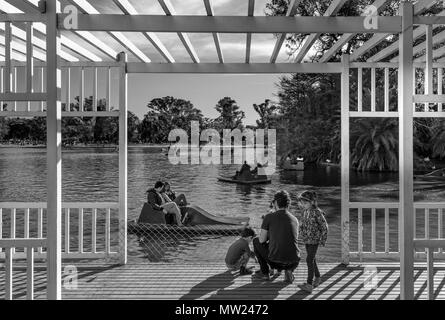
[(174, 281)]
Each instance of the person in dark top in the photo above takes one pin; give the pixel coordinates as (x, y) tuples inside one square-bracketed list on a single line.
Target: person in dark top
[(180, 200), (160, 203), (239, 252), (277, 245)]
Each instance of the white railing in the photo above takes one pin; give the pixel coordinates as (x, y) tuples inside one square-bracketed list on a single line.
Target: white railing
[(373, 228), (88, 228), (430, 245), (9, 245)]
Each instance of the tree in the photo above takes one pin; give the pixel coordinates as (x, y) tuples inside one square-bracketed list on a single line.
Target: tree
[(165, 114), (231, 117), (376, 145), (268, 113)]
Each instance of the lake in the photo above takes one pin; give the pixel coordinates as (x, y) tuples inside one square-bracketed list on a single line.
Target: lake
[(91, 175)]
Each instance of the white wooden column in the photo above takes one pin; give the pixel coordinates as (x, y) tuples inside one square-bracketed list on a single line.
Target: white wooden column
[(406, 208), (345, 160), (54, 153), (123, 140)]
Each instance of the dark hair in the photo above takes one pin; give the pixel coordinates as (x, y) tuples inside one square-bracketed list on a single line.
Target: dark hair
[(248, 232), (282, 198), (159, 184)]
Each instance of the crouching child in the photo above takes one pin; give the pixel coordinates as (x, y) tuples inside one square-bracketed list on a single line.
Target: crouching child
[(239, 253)]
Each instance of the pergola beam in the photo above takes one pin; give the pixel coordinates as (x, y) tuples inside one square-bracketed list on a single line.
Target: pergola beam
[(209, 10), (232, 24), (126, 7), (291, 11), (233, 68), (170, 11), (419, 7), (332, 10), (379, 4)]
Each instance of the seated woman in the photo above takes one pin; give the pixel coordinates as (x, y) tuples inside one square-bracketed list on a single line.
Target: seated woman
[(180, 200), (160, 203)]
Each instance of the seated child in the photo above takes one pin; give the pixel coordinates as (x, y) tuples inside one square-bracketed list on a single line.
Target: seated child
[(239, 252)]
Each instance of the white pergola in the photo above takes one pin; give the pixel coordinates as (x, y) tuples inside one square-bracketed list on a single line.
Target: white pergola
[(37, 38)]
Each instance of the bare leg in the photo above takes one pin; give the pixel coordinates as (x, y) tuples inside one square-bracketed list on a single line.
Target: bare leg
[(172, 207)]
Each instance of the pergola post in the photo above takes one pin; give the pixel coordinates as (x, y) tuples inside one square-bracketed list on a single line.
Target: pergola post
[(54, 154), (406, 207), (345, 159), (123, 141)]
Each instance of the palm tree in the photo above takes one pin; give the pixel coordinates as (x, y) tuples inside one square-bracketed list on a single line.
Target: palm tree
[(376, 145), (438, 139)]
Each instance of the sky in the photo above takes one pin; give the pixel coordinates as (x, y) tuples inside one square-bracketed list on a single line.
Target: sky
[(203, 91)]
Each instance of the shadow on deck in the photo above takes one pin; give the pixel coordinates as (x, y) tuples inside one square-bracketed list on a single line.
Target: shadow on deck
[(194, 281)]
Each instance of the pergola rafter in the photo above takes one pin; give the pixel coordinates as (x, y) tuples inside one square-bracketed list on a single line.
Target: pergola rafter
[(376, 39), (117, 24), (345, 38), (170, 11), (291, 11), (332, 10), (209, 10)]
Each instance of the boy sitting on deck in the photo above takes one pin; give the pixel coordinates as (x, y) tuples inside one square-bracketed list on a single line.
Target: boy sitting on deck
[(239, 252)]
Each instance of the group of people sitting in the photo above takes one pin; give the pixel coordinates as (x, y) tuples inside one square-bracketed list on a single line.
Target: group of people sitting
[(162, 198), (277, 245)]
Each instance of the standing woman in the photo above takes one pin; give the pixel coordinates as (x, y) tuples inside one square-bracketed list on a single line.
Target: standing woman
[(314, 233)]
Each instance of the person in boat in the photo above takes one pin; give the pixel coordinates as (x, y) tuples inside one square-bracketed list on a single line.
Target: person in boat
[(169, 195), (255, 171), (159, 203), (277, 245), (239, 252)]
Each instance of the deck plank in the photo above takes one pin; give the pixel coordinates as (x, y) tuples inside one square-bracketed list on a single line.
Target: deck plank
[(193, 281)]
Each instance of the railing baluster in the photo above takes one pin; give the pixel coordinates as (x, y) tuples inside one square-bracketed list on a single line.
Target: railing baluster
[(13, 216), (26, 227), (14, 83), (386, 230), (430, 271), (360, 233), (373, 90), (8, 273), (67, 230), (439, 86), (93, 228), (68, 88), (440, 226), (8, 57), (2, 85), (40, 227), (30, 273), (29, 61), (386, 89), (427, 223), (94, 89), (107, 231), (1, 226), (360, 89), (108, 88), (42, 87), (373, 227), (80, 230), (82, 89)]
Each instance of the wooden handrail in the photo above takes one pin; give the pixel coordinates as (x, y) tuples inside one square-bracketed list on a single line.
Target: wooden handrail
[(23, 242)]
